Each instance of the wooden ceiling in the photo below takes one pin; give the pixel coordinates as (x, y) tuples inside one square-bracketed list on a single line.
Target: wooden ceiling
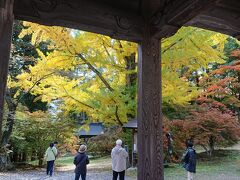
[(125, 19)]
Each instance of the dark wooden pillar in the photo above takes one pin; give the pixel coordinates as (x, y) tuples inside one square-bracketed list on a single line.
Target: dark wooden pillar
[(6, 23), (150, 150)]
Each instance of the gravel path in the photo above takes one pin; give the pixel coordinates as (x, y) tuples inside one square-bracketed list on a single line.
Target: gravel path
[(93, 175), (59, 175)]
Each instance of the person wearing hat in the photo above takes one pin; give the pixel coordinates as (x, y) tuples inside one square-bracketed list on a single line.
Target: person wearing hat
[(119, 159), (81, 160), (50, 156)]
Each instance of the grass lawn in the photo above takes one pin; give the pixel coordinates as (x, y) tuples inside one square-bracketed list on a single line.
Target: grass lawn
[(225, 165), (68, 161)]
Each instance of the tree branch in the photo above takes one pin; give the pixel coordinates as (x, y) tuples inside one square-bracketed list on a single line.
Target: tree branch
[(43, 77), (90, 66), (179, 40), (77, 99), (116, 114), (104, 81)]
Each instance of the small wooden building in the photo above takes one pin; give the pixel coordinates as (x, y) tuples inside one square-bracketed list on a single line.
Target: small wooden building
[(132, 124), (95, 129)]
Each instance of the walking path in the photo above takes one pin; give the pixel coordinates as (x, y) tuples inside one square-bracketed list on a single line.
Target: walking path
[(59, 175), (93, 175), (102, 171)]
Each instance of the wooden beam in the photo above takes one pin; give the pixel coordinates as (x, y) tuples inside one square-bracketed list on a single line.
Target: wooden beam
[(150, 143), (217, 24), (219, 19), (150, 7), (176, 14), (184, 10), (6, 24), (92, 16), (231, 5)]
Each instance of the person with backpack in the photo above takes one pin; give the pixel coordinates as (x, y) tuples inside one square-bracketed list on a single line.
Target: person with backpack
[(81, 160), (119, 160), (50, 156), (190, 160)]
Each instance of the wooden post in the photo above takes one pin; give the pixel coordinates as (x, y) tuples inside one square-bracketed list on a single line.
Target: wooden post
[(6, 24), (150, 149), (133, 147)]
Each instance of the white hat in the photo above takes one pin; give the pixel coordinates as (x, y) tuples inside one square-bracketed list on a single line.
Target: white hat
[(82, 148), (119, 142)]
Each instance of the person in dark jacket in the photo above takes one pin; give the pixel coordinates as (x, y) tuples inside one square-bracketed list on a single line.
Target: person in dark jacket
[(190, 160), (81, 160)]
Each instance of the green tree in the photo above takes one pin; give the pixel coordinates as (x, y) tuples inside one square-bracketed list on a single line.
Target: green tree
[(34, 131)]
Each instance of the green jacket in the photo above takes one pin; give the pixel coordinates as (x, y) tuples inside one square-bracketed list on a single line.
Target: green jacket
[(51, 153)]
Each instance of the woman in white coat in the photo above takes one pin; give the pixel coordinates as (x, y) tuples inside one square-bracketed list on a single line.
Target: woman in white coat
[(119, 159)]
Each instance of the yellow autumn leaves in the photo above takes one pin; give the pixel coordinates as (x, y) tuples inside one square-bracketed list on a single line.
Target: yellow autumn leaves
[(62, 74)]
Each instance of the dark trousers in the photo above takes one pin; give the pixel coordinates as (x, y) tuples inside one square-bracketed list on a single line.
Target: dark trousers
[(50, 167), (121, 175), (77, 176)]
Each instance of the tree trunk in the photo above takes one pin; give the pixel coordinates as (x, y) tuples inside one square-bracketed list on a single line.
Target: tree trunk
[(33, 155), (238, 108), (12, 106), (40, 158), (205, 148), (5, 163), (15, 156), (6, 24), (24, 156), (211, 145), (131, 78)]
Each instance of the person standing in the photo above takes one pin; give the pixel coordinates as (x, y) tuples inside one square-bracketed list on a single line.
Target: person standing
[(55, 143), (190, 160), (50, 156), (81, 160), (119, 156)]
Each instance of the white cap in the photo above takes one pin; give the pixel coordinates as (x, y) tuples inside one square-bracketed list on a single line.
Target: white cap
[(82, 148), (119, 142)]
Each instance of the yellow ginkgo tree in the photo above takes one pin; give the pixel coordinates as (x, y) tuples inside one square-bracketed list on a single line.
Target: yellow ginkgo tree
[(88, 72)]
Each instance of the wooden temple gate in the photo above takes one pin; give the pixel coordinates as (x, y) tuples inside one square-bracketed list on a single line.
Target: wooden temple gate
[(143, 21)]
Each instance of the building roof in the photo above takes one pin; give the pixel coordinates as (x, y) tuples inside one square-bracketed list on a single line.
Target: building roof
[(94, 130), (132, 124)]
